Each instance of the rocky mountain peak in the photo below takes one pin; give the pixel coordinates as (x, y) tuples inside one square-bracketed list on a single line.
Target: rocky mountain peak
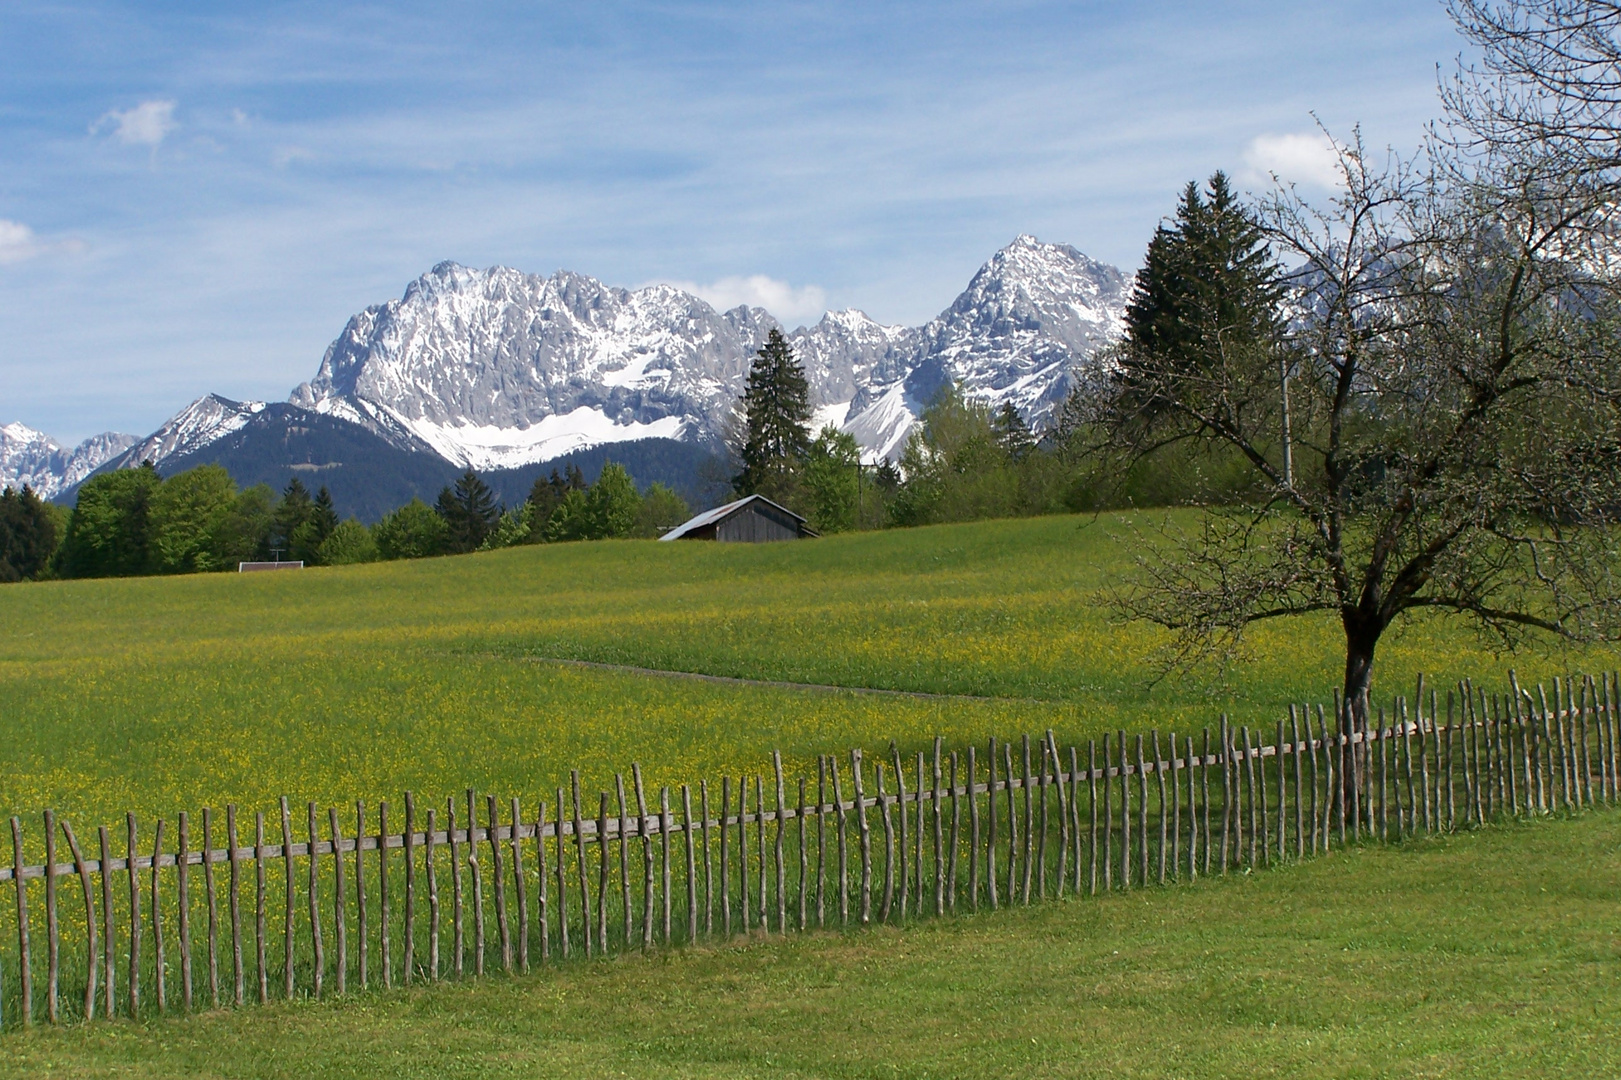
[(34, 458)]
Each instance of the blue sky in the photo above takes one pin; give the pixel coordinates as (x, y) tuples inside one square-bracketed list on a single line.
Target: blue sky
[(195, 197)]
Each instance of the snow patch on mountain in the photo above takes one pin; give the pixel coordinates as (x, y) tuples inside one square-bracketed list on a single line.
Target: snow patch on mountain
[(34, 458), (496, 368), (1030, 320), (205, 421), (490, 447)]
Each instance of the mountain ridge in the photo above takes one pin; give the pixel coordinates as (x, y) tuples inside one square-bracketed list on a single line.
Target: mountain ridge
[(498, 369)]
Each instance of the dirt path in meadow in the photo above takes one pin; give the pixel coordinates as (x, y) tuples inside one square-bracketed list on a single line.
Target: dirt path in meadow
[(779, 684)]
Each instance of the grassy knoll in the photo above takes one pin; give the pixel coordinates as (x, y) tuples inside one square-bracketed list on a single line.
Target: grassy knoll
[(1487, 954), (160, 694)]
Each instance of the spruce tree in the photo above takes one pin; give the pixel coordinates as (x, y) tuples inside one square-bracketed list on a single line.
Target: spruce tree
[(27, 534), (1209, 287), (307, 538), (776, 413), (292, 513), (1012, 433), (469, 511), (324, 515)]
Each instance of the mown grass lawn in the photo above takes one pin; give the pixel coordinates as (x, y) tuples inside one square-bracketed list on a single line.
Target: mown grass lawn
[(1491, 954), (162, 694)]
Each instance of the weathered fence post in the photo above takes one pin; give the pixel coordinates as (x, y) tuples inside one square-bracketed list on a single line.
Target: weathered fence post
[(861, 830), (362, 937), (782, 870), (889, 848), (82, 868), (579, 856), (53, 935), (503, 926), (709, 892), (158, 977), (973, 827), (664, 860), (692, 865), (430, 876), (647, 857), (259, 931), (562, 877), (340, 913), (604, 858), (408, 845), (287, 921), (134, 920), (313, 893), (804, 858), (844, 854), (725, 870)]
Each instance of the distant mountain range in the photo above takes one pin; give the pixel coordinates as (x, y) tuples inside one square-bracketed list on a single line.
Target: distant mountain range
[(34, 458), (507, 372)]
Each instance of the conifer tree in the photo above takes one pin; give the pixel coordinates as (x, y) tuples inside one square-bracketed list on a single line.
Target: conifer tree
[(1012, 433), (776, 411), (27, 534), (308, 537), (324, 515), (292, 513), (1209, 288), (469, 511)]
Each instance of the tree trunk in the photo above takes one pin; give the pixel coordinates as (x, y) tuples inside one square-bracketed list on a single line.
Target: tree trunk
[(1361, 638), (1360, 642)]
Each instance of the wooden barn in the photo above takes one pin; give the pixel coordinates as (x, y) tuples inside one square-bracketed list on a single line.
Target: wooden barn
[(752, 520)]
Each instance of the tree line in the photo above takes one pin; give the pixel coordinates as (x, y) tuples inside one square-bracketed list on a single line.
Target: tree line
[(133, 521)]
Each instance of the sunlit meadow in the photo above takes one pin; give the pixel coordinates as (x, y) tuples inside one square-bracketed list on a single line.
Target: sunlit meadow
[(163, 694)]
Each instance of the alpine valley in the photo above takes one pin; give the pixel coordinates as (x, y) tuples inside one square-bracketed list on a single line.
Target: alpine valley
[(511, 373)]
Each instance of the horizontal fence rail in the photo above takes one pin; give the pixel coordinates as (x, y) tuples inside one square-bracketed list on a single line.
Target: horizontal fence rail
[(361, 905)]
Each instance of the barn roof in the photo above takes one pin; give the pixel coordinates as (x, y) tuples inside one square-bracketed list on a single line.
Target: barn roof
[(721, 513)]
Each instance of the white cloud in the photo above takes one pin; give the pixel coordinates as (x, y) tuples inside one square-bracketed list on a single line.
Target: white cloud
[(147, 124), (19, 243), (284, 156), (1298, 158), (756, 290)]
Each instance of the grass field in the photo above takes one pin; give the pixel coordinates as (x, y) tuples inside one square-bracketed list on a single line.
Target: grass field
[(1488, 954), (163, 694), (1492, 954)]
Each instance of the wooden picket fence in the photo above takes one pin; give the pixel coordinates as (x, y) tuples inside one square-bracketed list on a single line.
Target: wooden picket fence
[(1131, 812)]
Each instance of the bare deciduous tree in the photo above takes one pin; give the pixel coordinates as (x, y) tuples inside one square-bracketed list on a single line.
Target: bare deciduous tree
[(1452, 386)]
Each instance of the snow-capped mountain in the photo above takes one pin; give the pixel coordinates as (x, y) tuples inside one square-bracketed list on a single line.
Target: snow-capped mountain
[(34, 458), (1029, 323), (202, 423), (497, 368)]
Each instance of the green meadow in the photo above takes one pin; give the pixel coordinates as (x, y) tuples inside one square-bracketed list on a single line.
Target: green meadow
[(162, 694), (1491, 953)]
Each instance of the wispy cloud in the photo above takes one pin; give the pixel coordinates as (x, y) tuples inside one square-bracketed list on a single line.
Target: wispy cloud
[(19, 243), (147, 124), (785, 301), (1301, 158)]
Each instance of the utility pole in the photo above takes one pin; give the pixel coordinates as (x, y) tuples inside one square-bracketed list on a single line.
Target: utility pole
[(858, 487), (1288, 451)]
